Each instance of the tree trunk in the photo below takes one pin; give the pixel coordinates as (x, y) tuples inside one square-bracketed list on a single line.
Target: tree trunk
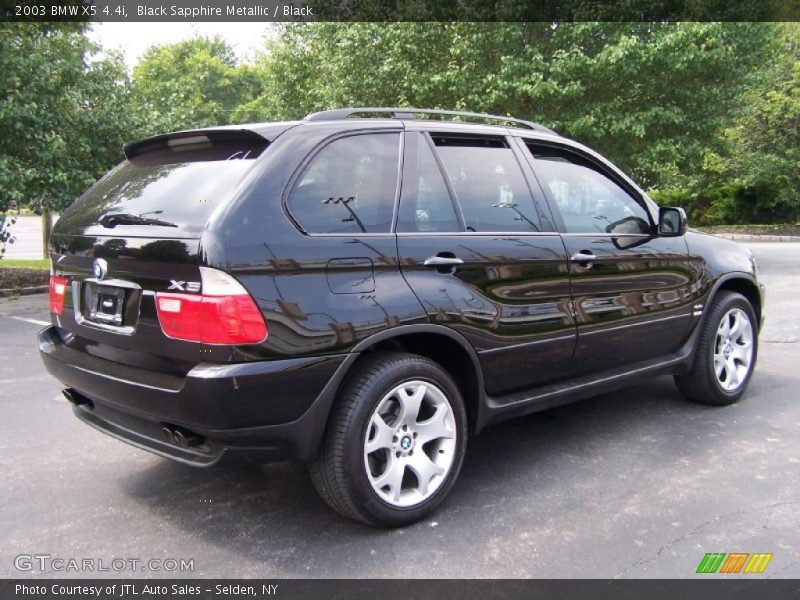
[(47, 226)]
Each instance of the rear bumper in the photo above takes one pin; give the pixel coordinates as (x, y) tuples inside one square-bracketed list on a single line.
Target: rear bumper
[(149, 435), (258, 411)]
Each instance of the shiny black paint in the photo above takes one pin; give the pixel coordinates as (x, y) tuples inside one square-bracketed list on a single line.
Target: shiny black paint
[(632, 303), (714, 263), (536, 328), (510, 299), (208, 398), (151, 270)]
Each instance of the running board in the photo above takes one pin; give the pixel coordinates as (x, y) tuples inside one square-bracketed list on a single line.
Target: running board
[(502, 408)]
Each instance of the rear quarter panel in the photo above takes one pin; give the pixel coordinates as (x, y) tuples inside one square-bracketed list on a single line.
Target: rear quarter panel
[(319, 294)]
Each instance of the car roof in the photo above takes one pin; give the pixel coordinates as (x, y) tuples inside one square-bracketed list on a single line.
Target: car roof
[(359, 117)]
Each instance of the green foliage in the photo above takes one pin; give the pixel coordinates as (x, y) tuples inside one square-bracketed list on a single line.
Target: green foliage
[(753, 174), (195, 83), (708, 114), (763, 142), (63, 117), (651, 96), (710, 206)]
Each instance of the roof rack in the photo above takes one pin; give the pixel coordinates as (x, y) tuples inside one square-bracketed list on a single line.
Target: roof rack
[(408, 113)]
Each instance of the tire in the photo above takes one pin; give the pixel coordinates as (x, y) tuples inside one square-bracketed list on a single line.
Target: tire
[(373, 437), (726, 353)]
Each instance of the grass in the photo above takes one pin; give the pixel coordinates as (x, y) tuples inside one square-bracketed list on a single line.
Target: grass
[(18, 263)]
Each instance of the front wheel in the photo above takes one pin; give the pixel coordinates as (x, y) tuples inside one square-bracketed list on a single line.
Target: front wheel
[(726, 353), (395, 441)]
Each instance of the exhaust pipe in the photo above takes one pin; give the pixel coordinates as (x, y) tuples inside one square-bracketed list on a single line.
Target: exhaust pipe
[(179, 436), (76, 399), (170, 435)]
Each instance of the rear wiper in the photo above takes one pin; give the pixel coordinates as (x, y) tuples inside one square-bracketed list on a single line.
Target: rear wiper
[(114, 219)]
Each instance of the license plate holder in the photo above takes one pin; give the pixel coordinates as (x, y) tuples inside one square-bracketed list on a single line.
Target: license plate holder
[(106, 304)]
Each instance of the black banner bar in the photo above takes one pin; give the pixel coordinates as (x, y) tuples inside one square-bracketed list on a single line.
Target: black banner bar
[(713, 588), (398, 10)]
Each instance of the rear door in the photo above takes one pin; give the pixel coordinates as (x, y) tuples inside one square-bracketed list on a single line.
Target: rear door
[(484, 258), (631, 288), (135, 233)]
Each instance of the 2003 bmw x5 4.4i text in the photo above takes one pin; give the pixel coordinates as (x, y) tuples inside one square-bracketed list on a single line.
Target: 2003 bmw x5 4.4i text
[(364, 289)]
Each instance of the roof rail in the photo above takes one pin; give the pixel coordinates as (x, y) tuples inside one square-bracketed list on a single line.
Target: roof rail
[(408, 113)]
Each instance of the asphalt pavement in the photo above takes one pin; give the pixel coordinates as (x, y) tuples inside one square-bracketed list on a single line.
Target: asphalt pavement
[(636, 483)]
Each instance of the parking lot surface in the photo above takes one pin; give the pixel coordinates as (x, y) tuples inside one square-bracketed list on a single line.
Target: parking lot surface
[(636, 483)]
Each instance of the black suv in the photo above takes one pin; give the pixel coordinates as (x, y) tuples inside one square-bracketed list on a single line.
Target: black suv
[(364, 289)]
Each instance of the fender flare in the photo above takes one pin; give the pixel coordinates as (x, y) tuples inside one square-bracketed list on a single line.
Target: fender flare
[(721, 280), (697, 325), (316, 417)]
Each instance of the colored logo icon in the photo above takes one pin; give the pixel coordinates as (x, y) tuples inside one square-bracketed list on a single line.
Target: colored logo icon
[(735, 562)]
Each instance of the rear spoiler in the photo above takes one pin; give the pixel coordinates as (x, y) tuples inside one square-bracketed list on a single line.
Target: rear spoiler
[(243, 138)]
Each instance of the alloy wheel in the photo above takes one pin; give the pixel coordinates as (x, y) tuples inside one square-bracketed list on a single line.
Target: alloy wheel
[(733, 349), (410, 443)]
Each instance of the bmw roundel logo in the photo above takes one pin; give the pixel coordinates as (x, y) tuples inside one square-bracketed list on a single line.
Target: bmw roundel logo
[(100, 268)]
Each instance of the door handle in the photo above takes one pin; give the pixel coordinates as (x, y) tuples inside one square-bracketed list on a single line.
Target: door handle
[(442, 261), (584, 256)]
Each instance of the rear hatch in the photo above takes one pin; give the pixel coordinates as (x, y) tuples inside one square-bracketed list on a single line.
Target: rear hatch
[(136, 233)]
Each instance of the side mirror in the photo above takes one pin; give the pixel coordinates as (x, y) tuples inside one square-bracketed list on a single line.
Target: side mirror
[(671, 221)]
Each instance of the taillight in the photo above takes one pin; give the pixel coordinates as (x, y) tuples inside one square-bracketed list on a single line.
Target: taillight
[(224, 313), (58, 289)]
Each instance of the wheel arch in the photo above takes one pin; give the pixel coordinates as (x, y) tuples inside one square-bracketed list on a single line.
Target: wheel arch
[(445, 347), (744, 284)]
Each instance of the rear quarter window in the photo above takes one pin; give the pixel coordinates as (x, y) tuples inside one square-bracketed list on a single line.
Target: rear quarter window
[(349, 186)]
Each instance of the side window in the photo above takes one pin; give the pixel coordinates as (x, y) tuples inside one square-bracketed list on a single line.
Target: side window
[(489, 184), (425, 203), (349, 186), (588, 200)]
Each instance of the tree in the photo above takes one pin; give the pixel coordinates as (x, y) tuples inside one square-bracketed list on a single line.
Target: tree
[(762, 156), (64, 116), (190, 84), (651, 96)]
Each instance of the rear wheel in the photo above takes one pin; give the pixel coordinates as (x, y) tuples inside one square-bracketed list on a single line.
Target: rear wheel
[(395, 441), (726, 353)]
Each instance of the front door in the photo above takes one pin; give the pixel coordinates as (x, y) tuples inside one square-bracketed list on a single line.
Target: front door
[(631, 289)]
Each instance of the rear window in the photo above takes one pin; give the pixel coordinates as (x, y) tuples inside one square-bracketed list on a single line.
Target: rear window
[(165, 191)]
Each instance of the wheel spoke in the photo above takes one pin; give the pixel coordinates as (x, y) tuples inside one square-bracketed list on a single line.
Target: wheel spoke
[(425, 470), (436, 427), (741, 354), (719, 366), (392, 478), (724, 330), (733, 373), (382, 437), (736, 328), (410, 403)]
